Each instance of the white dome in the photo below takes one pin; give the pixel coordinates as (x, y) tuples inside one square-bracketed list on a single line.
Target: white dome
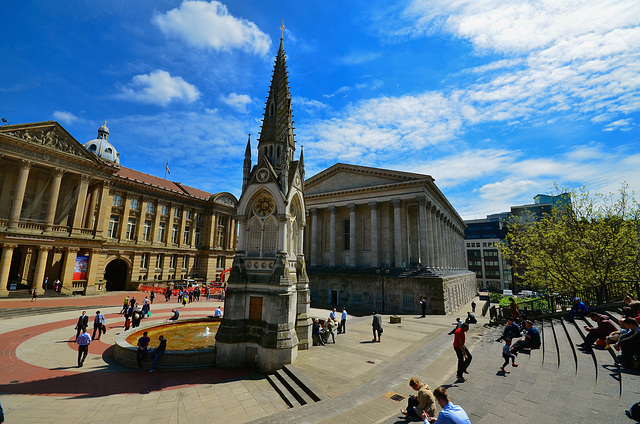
[(101, 146)]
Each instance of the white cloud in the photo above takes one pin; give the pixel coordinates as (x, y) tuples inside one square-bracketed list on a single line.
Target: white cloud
[(209, 25), (160, 88), (65, 117), (359, 58), (239, 102)]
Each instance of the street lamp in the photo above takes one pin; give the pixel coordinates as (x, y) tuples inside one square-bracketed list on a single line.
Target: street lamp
[(381, 271)]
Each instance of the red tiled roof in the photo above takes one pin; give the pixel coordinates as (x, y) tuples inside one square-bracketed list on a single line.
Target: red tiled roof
[(143, 178)]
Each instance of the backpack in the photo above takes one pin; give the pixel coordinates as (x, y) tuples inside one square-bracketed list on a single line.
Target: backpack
[(634, 412)]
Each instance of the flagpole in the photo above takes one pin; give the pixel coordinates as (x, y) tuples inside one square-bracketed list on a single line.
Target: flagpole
[(165, 169)]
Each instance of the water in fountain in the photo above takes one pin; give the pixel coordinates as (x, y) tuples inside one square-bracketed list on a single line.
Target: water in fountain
[(207, 333)]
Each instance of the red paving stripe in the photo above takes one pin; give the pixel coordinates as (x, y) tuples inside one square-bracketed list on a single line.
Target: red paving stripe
[(61, 381)]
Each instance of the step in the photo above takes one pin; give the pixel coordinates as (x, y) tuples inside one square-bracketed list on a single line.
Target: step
[(298, 393), (284, 393), (305, 384)]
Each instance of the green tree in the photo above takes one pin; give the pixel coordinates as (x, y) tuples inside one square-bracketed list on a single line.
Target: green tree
[(589, 242)]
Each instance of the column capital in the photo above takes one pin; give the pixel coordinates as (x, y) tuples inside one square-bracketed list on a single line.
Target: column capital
[(58, 172), (313, 211), (44, 247), (85, 178), (72, 249), (351, 207), (396, 203), (332, 209), (26, 164), (9, 246), (373, 205), (422, 200)]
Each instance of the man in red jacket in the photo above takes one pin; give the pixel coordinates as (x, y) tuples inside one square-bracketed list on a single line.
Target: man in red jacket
[(601, 331), (464, 357)]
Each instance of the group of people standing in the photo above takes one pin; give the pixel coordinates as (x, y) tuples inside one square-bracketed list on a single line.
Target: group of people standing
[(321, 331), (132, 312)]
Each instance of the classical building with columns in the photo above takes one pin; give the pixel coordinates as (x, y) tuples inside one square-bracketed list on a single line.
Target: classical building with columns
[(383, 239), (71, 212)]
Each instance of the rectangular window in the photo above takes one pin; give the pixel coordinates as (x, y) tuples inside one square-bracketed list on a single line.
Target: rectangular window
[(144, 261), (187, 214), (114, 220), (176, 212), (146, 230), (196, 261), (346, 234), (187, 234), (197, 237), (199, 217), (185, 262), (150, 207), (220, 262), (135, 204), (489, 253), (131, 229), (162, 230), (172, 261), (174, 234), (164, 210), (117, 200), (223, 221), (159, 260)]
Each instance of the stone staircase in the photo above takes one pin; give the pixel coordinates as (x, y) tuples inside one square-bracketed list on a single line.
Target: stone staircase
[(294, 388)]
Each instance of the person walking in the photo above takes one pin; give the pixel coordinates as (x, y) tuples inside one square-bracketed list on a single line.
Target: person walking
[(143, 345), (83, 322), (152, 296), (328, 329), (83, 340), (463, 354), (423, 305), (157, 353), (473, 306), (377, 325), (98, 324), (506, 354), (34, 295), (342, 327)]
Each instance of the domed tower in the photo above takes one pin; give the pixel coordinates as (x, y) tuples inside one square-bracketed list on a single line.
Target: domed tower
[(101, 146), (267, 302)]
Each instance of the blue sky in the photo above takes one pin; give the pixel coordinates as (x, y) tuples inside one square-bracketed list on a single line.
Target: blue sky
[(496, 99)]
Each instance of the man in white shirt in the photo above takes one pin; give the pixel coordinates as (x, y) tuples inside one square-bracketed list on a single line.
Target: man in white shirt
[(342, 328), (84, 340)]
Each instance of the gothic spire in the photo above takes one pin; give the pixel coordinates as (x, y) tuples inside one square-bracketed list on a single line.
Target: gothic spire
[(276, 136)]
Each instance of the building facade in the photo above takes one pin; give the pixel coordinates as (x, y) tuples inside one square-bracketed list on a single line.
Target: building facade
[(383, 239), (71, 212)]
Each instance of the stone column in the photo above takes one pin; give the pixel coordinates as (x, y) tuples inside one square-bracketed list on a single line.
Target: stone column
[(183, 225), (283, 225), (332, 236), (352, 234), (429, 236), (423, 234), (53, 198), (91, 209), (156, 224), (103, 211), (5, 267), (142, 216), (314, 237), (124, 218), (41, 267), (68, 266), (374, 234), (18, 198), (80, 203), (242, 232), (397, 232), (92, 271)]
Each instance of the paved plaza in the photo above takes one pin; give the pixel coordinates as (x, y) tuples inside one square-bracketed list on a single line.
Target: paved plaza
[(360, 381)]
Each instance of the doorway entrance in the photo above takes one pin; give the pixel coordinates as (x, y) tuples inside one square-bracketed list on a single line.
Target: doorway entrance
[(116, 275)]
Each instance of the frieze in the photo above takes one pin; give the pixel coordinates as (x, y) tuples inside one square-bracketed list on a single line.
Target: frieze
[(53, 160), (224, 200), (259, 265), (47, 137)]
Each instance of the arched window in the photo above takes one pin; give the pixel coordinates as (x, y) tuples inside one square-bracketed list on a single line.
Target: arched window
[(255, 235), (108, 150), (270, 240), (93, 148)]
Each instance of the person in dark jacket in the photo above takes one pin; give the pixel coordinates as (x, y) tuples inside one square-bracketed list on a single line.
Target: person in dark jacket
[(601, 331), (530, 340), (377, 325)]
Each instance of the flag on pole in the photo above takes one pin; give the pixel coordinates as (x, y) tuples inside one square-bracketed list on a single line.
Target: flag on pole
[(167, 167)]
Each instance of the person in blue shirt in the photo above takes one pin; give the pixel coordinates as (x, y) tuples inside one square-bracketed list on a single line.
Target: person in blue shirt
[(157, 353), (84, 340), (578, 309), (531, 339), (450, 414), (217, 313), (342, 327)]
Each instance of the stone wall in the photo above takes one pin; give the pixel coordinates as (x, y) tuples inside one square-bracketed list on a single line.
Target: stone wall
[(444, 294)]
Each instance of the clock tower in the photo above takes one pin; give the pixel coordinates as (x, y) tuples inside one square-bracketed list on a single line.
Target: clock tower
[(266, 311)]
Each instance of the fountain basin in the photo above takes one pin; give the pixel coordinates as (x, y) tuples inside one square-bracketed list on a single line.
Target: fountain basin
[(188, 345)]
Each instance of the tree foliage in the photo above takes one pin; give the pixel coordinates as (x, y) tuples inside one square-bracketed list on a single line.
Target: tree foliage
[(592, 241)]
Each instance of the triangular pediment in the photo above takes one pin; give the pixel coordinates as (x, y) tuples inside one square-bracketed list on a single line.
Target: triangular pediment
[(263, 173), (345, 177), (48, 135)]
